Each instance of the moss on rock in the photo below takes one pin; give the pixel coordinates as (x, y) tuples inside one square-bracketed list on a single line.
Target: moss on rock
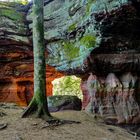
[(88, 41), (72, 27), (13, 19), (71, 51), (11, 14), (89, 3)]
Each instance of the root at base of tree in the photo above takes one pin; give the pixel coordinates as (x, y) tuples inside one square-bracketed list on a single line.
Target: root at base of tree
[(37, 110)]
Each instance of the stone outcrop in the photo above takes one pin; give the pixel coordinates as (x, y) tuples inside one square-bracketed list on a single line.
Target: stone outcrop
[(81, 36), (77, 30), (16, 56), (65, 102), (113, 97)]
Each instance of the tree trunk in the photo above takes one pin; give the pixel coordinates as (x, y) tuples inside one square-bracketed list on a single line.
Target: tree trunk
[(38, 107)]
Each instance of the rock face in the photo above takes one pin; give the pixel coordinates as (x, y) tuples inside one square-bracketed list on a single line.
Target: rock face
[(65, 102), (77, 30), (16, 56), (81, 36), (113, 97)]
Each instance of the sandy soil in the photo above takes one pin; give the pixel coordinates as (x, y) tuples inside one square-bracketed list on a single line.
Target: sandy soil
[(31, 129)]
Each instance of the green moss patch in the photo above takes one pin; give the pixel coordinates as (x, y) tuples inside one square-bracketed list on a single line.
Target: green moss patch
[(71, 50), (11, 14), (72, 27), (88, 41), (90, 2), (7, 4)]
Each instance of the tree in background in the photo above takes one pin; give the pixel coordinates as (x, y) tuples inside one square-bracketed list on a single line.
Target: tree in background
[(38, 107)]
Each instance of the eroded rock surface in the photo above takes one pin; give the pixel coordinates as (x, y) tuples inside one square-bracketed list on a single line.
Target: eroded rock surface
[(82, 36), (16, 56), (113, 97)]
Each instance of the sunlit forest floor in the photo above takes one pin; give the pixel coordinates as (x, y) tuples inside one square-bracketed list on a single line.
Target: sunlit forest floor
[(33, 129)]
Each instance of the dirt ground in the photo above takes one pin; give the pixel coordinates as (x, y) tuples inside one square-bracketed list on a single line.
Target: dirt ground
[(31, 129)]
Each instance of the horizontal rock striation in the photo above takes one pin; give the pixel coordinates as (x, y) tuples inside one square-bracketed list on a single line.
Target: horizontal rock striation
[(16, 56)]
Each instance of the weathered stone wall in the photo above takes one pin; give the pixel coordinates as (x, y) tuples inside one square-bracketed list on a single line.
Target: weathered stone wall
[(81, 36), (16, 56)]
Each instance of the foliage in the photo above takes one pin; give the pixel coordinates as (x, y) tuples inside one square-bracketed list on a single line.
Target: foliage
[(68, 85), (24, 2)]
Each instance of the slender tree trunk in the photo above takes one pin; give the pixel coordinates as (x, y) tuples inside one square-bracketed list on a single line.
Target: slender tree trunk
[(38, 106)]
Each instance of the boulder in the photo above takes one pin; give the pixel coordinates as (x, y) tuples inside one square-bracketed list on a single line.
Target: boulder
[(64, 102)]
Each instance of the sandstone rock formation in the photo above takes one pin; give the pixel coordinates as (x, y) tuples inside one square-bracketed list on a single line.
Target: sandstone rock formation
[(82, 36), (16, 56)]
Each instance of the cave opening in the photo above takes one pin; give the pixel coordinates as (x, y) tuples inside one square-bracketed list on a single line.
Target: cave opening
[(67, 85)]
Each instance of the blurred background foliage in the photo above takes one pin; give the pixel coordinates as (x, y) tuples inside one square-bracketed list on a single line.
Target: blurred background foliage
[(67, 85), (24, 2)]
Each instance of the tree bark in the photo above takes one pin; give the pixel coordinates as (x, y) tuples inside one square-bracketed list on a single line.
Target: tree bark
[(38, 106)]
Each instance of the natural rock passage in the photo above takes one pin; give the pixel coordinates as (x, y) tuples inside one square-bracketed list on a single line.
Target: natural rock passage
[(82, 36)]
